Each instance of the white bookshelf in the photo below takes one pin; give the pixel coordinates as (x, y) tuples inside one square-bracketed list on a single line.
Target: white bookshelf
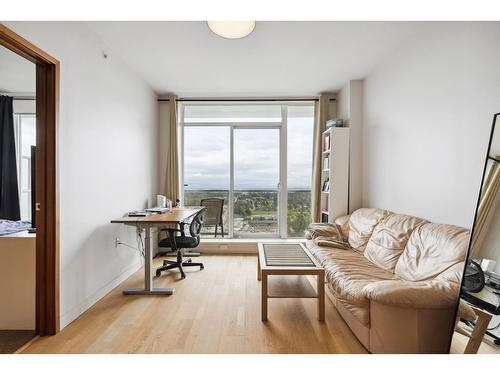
[(334, 174)]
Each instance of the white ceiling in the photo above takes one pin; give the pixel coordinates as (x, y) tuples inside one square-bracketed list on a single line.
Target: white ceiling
[(278, 59), (17, 75)]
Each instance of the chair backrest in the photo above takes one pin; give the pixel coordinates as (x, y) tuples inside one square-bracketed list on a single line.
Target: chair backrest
[(197, 223), (214, 207)]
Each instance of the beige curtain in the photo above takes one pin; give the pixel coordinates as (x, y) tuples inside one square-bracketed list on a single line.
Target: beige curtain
[(172, 178), (321, 114), (488, 196)]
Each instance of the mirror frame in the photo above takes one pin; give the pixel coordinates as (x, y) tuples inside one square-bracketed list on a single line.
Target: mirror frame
[(496, 117)]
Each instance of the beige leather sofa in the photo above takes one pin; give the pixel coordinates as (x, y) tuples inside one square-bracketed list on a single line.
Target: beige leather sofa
[(394, 278)]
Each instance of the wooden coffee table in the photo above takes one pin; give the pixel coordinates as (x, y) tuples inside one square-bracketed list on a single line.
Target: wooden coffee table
[(289, 259)]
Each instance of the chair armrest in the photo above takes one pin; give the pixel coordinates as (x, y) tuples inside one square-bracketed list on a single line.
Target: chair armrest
[(433, 294)]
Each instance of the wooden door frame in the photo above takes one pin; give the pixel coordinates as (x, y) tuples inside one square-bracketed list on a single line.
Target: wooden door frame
[(47, 188)]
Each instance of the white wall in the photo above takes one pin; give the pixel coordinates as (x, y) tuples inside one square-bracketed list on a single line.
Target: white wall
[(428, 109), (108, 161)]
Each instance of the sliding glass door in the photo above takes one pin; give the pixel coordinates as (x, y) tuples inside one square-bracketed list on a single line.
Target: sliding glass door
[(255, 156), (207, 168), (256, 182)]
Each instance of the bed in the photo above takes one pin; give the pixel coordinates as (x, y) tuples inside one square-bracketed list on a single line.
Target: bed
[(17, 273), (9, 227)]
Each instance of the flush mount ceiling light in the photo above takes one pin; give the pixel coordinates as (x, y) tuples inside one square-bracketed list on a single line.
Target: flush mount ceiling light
[(232, 29)]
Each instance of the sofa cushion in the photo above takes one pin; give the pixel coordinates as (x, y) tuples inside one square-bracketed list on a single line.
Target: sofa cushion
[(432, 249), (320, 252), (389, 239), (347, 273), (361, 225)]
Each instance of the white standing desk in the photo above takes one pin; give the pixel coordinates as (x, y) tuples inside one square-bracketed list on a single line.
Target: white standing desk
[(177, 215)]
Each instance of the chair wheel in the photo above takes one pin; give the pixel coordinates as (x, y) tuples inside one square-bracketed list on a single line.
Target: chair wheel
[(164, 262), (189, 260), (202, 267), (158, 273), (183, 276)]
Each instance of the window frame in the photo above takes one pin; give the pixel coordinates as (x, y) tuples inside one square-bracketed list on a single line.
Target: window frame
[(282, 126)]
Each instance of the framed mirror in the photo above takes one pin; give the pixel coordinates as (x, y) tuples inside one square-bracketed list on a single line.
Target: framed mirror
[(478, 317)]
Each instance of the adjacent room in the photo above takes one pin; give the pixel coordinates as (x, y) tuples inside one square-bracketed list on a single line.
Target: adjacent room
[(17, 229), (252, 186)]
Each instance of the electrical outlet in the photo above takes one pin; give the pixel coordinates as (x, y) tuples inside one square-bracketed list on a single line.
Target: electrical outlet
[(117, 241)]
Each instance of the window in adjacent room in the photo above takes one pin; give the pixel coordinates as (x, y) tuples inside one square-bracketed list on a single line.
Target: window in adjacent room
[(25, 125)]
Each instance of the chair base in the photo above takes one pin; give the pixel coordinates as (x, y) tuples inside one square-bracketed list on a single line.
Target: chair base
[(170, 253), (180, 264)]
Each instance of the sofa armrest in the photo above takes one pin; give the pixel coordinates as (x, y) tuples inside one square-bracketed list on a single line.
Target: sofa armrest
[(433, 294), (326, 230)]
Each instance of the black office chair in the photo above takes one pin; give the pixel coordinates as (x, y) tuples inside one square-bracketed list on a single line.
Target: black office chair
[(179, 243)]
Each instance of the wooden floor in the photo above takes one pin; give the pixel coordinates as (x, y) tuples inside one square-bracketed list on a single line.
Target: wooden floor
[(459, 342), (216, 310)]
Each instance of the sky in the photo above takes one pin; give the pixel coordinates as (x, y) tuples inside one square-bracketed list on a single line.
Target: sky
[(256, 156)]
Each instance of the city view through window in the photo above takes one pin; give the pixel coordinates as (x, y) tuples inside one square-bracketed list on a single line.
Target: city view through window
[(258, 144)]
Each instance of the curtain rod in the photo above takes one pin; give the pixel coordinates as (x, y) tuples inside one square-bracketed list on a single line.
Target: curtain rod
[(243, 100)]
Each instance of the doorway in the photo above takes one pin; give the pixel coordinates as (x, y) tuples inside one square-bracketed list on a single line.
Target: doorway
[(46, 194)]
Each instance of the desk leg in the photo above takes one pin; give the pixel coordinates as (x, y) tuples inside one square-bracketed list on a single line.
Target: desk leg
[(476, 337), (148, 274)]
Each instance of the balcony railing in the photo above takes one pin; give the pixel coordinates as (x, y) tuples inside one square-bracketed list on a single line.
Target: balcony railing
[(256, 211)]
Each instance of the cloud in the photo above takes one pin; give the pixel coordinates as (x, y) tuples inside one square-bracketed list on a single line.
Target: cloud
[(256, 156)]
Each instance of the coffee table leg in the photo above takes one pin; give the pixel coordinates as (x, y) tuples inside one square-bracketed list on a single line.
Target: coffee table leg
[(321, 296), (264, 296), (258, 267)]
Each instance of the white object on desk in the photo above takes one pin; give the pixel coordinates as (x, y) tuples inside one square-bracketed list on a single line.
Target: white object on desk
[(161, 201)]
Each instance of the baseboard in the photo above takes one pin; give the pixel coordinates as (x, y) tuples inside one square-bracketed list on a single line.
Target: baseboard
[(88, 302), (237, 246), (223, 248)]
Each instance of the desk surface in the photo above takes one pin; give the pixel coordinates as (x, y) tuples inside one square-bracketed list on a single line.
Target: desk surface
[(175, 216)]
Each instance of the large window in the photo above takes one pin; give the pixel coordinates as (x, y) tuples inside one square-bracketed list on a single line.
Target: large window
[(25, 131), (257, 157)]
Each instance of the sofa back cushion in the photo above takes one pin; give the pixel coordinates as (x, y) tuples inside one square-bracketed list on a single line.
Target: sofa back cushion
[(389, 239), (432, 249), (343, 223), (361, 225)]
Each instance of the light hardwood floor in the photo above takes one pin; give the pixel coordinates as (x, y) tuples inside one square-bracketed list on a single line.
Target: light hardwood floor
[(216, 310), (459, 342)]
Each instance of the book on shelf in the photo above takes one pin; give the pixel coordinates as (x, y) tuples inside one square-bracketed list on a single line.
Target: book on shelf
[(326, 143), (326, 163), (326, 185)]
